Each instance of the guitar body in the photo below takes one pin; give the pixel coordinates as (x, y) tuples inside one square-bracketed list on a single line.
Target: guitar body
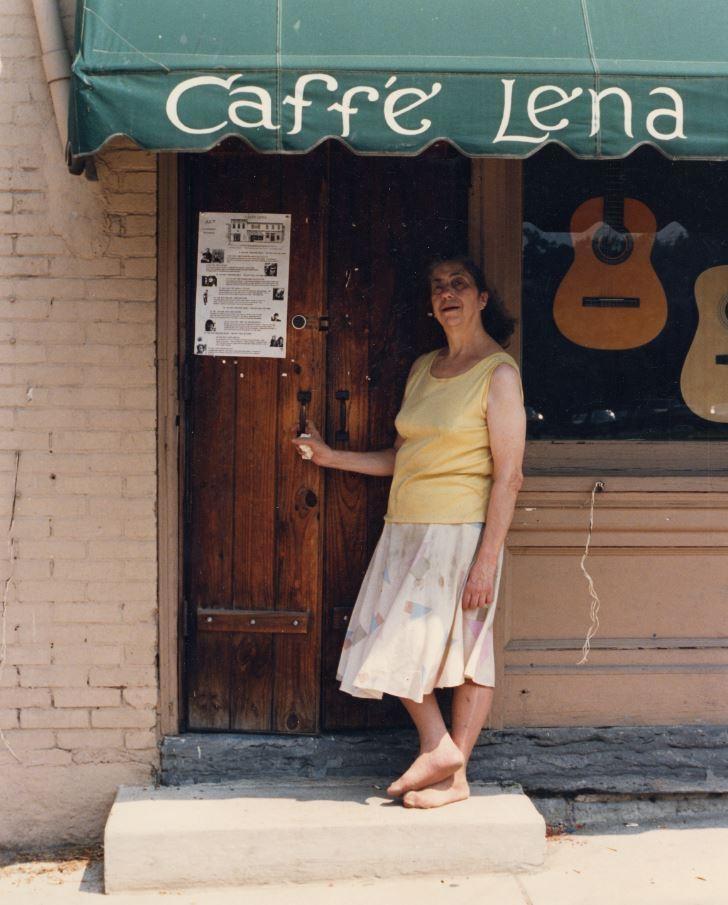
[(704, 377), (611, 298)]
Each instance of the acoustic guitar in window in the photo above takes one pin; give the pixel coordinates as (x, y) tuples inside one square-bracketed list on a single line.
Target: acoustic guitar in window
[(611, 298), (704, 377)]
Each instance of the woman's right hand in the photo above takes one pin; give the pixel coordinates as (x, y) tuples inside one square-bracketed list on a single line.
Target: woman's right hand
[(322, 452)]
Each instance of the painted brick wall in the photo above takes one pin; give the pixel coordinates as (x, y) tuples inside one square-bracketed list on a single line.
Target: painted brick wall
[(78, 642)]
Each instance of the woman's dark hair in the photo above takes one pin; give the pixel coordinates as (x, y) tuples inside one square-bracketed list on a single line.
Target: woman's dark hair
[(497, 322)]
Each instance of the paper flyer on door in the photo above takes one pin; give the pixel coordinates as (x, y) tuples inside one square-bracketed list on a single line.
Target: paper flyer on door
[(241, 293)]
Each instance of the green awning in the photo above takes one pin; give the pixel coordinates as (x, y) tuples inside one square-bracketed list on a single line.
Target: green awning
[(494, 77)]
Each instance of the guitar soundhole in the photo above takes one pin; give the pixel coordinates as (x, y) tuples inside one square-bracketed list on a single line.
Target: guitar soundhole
[(723, 310), (612, 246)]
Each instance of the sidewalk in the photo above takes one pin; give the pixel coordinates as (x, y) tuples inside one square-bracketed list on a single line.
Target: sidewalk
[(664, 866)]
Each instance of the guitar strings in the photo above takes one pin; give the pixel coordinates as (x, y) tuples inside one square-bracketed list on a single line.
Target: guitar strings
[(594, 609)]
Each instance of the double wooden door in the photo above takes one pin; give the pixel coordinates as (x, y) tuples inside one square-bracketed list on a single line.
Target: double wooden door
[(274, 547)]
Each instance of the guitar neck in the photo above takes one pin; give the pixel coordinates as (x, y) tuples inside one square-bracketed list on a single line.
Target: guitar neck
[(614, 196)]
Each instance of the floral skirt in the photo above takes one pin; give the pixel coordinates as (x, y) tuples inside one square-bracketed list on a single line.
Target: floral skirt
[(408, 632)]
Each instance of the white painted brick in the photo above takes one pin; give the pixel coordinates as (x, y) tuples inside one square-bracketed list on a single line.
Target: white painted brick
[(128, 549), (83, 441), (122, 375), (86, 527), (133, 247), (140, 225), (28, 654), (23, 267), (88, 613), (40, 245), (41, 718), (26, 739), (120, 334), (51, 634), (121, 463), (52, 676), (140, 697), (123, 718), (139, 612), (47, 332), (85, 310), (96, 354), (45, 288), (88, 654), (9, 677), (57, 591), (122, 420), (90, 738), (48, 377), (29, 614), (140, 267), (26, 310), (32, 527), (48, 419), (9, 719), (59, 506), (143, 633), (140, 485), (121, 676), (139, 440), (122, 508), (25, 697), (86, 397), (90, 485), (137, 312), (82, 267), (147, 570), (141, 739), (140, 654), (88, 571), (139, 399), (87, 697), (32, 568), (133, 591), (54, 547), (52, 757)]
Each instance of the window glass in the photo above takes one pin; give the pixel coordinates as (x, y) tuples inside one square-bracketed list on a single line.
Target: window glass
[(625, 325)]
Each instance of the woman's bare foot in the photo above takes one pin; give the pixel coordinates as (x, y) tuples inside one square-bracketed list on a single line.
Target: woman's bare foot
[(430, 767), (454, 788)]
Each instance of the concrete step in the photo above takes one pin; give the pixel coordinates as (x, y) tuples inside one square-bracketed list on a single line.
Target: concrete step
[(254, 832)]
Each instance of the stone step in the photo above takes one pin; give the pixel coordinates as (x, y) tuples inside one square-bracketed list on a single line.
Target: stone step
[(253, 832)]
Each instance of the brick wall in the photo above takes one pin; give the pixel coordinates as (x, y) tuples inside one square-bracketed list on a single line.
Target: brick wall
[(78, 679)]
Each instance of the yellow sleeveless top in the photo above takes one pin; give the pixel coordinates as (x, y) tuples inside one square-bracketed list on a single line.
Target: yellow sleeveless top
[(443, 470)]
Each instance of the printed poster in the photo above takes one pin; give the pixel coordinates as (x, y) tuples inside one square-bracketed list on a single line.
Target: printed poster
[(241, 301)]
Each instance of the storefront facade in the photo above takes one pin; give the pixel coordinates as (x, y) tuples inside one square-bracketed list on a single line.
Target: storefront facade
[(216, 598)]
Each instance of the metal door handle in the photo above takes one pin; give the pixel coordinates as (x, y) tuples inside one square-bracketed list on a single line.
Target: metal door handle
[(342, 434), (304, 397)]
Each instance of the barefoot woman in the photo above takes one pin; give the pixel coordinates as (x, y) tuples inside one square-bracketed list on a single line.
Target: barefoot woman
[(424, 615)]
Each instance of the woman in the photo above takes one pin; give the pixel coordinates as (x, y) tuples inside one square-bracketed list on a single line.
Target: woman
[(423, 617)]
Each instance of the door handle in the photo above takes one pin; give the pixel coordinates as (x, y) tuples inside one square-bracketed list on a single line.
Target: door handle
[(304, 397), (342, 434)]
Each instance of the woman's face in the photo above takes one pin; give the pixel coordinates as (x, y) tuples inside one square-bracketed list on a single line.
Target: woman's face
[(455, 299)]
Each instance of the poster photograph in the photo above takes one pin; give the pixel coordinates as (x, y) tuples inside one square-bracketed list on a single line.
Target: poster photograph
[(241, 296)]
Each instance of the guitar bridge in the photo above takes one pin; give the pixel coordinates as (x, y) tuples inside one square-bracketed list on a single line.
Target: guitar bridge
[(610, 301)]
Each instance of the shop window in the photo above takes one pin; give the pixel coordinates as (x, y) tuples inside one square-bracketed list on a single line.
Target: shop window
[(625, 331)]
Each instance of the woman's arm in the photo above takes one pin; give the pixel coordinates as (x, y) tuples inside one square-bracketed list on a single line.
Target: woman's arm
[(379, 462), (507, 430)]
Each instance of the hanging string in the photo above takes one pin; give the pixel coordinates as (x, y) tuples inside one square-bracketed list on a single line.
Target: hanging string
[(597, 488)]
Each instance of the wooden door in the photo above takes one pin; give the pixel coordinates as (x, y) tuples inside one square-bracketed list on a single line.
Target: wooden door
[(275, 548)]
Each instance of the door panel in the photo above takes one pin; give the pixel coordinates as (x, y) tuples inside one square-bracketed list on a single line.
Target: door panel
[(253, 525), (275, 547), (389, 217)]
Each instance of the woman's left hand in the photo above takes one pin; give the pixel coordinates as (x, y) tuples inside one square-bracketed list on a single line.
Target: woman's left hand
[(478, 590)]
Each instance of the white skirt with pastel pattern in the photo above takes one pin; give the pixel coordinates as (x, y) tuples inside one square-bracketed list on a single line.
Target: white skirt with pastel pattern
[(408, 632)]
